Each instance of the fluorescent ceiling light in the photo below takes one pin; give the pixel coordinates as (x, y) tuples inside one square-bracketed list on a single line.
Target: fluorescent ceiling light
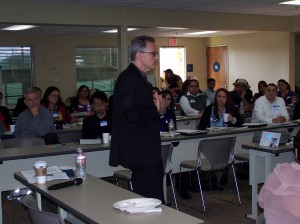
[(19, 27), (172, 28), (202, 32), (115, 30), (295, 2)]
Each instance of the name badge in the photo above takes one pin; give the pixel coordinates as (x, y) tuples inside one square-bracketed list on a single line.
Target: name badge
[(192, 101), (276, 107), (103, 123), (80, 106)]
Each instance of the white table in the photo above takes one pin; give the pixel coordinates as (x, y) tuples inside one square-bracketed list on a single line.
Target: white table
[(262, 162), (92, 202), (17, 159)]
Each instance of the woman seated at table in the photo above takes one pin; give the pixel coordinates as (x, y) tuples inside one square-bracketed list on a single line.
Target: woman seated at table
[(280, 195), (5, 119), (213, 115), (52, 101), (167, 111), (285, 92), (82, 101)]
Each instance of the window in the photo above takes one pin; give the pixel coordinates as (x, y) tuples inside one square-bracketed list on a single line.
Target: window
[(17, 74), (97, 68)]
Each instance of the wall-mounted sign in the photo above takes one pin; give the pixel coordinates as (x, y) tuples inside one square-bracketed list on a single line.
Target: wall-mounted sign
[(189, 68), (173, 42), (216, 66)]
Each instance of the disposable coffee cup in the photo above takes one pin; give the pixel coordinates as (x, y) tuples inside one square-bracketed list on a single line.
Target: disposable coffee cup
[(225, 117), (12, 128), (40, 168), (105, 137)]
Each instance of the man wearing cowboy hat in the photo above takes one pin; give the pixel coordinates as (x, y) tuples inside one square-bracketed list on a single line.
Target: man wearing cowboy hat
[(242, 93)]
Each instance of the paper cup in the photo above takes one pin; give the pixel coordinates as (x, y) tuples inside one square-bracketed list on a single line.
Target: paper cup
[(12, 128), (40, 168), (105, 137), (225, 117)]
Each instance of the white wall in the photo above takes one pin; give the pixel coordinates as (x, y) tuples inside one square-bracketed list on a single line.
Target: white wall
[(256, 56)]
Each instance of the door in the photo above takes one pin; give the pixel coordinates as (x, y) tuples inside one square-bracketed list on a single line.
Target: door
[(217, 65)]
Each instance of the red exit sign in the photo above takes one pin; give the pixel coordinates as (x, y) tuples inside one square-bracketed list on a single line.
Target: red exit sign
[(173, 42)]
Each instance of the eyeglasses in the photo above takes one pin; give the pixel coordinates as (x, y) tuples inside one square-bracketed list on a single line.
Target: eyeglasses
[(154, 53)]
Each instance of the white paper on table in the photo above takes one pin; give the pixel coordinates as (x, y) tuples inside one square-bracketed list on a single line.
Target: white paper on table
[(53, 173)]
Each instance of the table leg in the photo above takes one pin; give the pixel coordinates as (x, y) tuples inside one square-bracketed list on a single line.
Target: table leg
[(253, 170), (39, 200)]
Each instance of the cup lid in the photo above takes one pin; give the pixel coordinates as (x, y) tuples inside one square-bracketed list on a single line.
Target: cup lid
[(40, 164)]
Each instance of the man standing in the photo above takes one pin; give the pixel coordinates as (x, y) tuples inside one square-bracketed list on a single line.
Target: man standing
[(193, 102), (270, 108), (210, 92), (135, 124), (36, 120)]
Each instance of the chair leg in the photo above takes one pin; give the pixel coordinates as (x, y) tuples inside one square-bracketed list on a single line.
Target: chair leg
[(236, 186), (179, 187), (200, 187), (170, 176), (130, 183)]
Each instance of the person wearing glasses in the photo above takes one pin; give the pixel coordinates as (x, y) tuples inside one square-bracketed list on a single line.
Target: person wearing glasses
[(270, 108), (135, 137), (194, 101), (174, 81), (53, 102)]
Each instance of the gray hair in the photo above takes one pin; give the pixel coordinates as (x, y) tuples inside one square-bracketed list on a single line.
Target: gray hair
[(139, 44), (32, 90)]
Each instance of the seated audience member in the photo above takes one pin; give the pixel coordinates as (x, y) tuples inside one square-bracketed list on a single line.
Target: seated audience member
[(5, 119), (270, 108), (285, 92), (183, 90), (166, 114), (100, 122), (155, 90), (213, 115), (193, 102), (21, 106), (174, 81), (166, 111), (210, 92), (296, 113), (262, 85), (242, 93), (36, 120), (280, 195), (82, 102), (53, 102)]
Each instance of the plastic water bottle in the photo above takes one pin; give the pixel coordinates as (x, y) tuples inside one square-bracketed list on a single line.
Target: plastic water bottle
[(242, 108), (172, 128), (80, 163)]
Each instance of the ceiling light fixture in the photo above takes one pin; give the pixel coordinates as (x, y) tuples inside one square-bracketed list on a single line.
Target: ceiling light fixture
[(202, 32), (116, 31), (19, 27), (172, 28), (295, 2)]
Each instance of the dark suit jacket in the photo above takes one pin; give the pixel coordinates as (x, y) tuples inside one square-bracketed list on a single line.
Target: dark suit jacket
[(135, 123)]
